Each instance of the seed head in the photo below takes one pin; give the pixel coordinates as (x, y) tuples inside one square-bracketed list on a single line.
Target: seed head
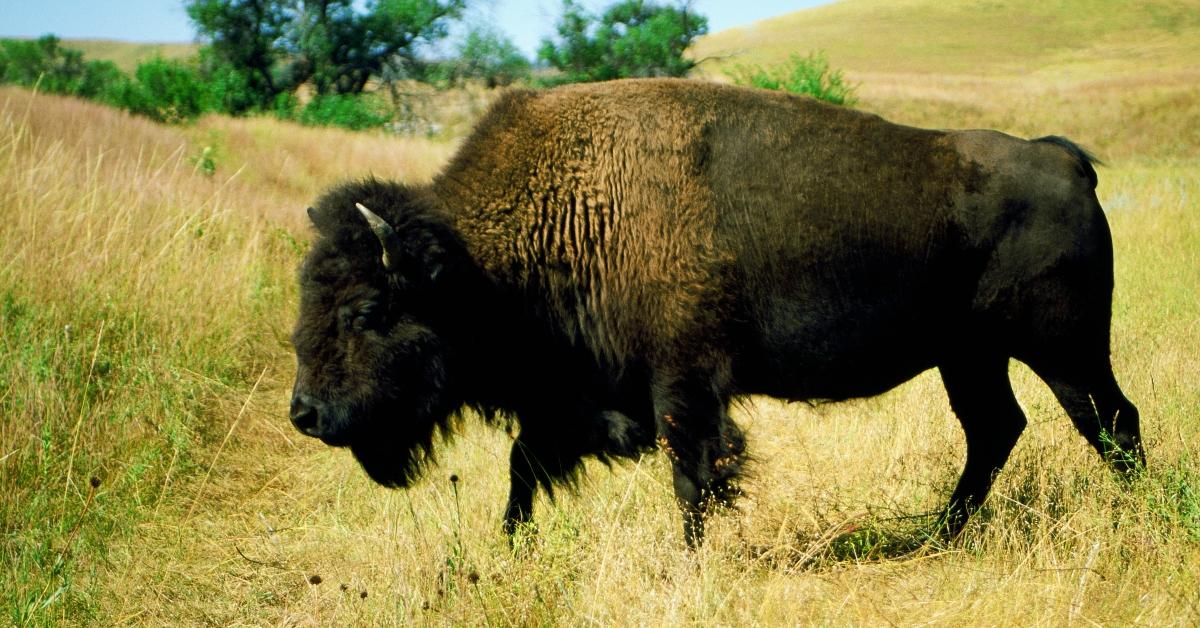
[(454, 478), (314, 579)]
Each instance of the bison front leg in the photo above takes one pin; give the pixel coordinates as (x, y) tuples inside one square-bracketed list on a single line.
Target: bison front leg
[(705, 447), (525, 470), (551, 447)]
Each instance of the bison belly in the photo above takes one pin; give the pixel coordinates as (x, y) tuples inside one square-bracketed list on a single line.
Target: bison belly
[(801, 352), (839, 326)]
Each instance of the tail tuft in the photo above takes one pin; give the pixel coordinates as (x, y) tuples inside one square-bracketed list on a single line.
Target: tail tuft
[(1086, 160)]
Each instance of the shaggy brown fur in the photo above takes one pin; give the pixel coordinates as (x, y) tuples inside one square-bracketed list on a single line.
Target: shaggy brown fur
[(612, 263)]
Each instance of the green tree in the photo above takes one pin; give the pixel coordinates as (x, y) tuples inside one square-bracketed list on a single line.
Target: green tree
[(340, 47), (337, 45), (489, 55), (245, 38), (632, 38)]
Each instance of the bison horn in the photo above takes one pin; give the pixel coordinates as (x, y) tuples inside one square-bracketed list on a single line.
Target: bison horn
[(382, 230)]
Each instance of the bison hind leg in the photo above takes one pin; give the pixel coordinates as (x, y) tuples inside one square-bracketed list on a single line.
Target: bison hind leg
[(1102, 414), (982, 397)]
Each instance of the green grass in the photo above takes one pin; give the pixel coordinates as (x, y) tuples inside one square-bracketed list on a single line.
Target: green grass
[(100, 407)]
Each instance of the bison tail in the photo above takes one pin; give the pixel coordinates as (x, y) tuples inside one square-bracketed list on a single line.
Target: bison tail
[(1085, 160)]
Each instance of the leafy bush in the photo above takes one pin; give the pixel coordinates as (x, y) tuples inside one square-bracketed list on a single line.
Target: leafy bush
[(167, 91), (285, 106), (102, 81), (344, 110), (230, 89), (800, 75), (53, 68)]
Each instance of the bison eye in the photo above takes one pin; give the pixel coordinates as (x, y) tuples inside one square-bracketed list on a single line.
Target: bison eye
[(359, 319), (364, 317)]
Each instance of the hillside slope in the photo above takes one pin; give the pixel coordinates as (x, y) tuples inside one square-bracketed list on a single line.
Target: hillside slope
[(978, 37), (128, 54), (1121, 78)]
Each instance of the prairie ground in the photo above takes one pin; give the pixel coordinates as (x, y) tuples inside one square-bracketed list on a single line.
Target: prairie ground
[(150, 475)]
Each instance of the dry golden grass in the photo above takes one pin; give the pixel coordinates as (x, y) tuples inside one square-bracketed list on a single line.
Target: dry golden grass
[(171, 388), (127, 55), (1111, 75), (139, 299), (1074, 38)]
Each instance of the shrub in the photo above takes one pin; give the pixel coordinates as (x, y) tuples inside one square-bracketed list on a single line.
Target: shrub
[(53, 68), (285, 106), (800, 75), (230, 89), (167, 91), (178, 91), (102, 81), (344, 110), (40, 62)]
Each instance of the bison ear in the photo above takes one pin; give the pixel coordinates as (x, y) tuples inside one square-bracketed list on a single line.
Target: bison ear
[(423, 256), (431, 259)]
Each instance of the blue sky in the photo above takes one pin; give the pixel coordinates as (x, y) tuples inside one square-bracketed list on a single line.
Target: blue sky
[(525, 21)]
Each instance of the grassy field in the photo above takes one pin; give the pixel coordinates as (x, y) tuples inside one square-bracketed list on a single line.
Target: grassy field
[(151, 477), (1121, 78), (1060, 38)]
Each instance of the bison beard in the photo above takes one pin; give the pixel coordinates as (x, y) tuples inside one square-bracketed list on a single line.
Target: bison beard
[(607, 267)]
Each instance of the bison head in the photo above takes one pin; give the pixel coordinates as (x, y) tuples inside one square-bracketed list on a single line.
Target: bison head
[(371, 365)]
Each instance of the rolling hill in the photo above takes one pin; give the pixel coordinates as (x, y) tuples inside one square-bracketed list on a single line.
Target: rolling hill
[(1074, 38), (127, 54), (1123, 78)]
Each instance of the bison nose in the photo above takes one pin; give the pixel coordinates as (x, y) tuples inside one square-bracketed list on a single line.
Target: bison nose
[(304, 416)]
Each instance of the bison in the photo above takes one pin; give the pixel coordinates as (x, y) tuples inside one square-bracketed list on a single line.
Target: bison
[(607, 266)]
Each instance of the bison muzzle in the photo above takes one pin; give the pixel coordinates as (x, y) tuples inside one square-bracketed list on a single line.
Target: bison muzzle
[(608, 266)]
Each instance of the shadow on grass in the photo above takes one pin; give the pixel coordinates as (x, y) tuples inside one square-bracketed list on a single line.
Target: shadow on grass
[(865, 539)]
